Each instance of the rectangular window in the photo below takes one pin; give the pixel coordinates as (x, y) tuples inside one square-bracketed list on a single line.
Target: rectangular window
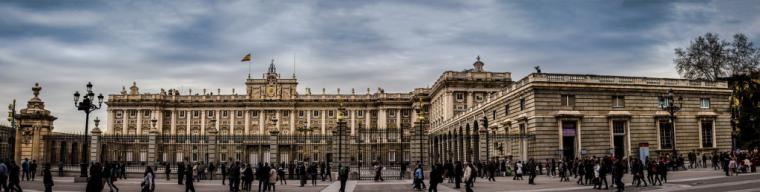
[(391, 113), (478, 97), (664, 102), (132, 113), (522, 104), (618, 128), (182, 114), (315, 114), (330, 113), (210, 113), (225, 114), (494, 114), (300, 114), (360, 113), (167, 113), (255, 113), (618, 101), (704, 103), (405, 113), (240, 113), (506, 109), (119, 114), (707, 133), (567, 100), (666, 132), (285, 113), (459, 96), (196, 114), (146, 113)]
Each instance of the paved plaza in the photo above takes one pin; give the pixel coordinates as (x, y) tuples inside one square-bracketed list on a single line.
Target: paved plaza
[(692, 180)]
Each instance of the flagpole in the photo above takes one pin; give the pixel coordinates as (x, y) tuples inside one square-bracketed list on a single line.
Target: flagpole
[(249, 69)]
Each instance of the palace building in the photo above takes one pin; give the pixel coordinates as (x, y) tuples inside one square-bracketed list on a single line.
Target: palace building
[(470, 115)]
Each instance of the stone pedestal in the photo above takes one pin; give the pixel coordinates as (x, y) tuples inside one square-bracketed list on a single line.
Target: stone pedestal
[(419, 143)]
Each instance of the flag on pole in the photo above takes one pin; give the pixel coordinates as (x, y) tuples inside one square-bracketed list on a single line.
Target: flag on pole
[(246, 58)]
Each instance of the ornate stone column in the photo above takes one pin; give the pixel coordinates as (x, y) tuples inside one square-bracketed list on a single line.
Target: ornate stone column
[(274, 152)]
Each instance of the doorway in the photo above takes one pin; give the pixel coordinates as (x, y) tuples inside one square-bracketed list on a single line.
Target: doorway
[(618, 137), (569, 134)]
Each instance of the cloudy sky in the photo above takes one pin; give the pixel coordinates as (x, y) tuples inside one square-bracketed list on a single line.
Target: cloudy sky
[(397, 45)]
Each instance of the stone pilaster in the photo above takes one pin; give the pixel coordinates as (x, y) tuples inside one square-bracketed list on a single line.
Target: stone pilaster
[(482, 149)]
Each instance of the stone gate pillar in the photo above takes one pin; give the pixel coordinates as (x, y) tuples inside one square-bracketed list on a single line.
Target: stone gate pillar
[(95, 141), (273, 151), (211, 145), (152, 135)]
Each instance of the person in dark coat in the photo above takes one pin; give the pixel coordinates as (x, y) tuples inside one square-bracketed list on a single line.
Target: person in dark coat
[(13, 178), (47, 178), (189, 179), (248, 174), (618, 172), (33, 169), (234, 171), (180, 172), (532, 172), (436, 177), (262, 173), (223, 168), (167, 170), (458, 172), (301, 170), (95, 183)]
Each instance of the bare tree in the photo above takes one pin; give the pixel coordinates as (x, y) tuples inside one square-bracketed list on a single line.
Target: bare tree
[(705, 58), (743, 56)]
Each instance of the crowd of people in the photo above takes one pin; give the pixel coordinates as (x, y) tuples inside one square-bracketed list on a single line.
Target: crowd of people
[(590, 171)]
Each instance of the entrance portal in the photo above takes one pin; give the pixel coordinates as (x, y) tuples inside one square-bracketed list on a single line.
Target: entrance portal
[(569, 132)]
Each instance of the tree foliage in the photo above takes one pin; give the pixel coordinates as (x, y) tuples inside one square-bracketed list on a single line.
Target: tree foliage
[(710, 58)]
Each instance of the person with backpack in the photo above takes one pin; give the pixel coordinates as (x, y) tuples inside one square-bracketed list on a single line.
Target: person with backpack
[(343, 177)]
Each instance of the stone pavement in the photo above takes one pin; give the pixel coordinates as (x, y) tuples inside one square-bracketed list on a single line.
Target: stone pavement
[(66, 184)]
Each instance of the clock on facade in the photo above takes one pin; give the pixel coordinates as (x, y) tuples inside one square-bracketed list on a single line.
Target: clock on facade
[(271, 91)]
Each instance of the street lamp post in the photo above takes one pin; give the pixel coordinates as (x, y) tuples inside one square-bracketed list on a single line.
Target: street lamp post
[(420, 121), (488, 141), (12, 119), (87, 105), (341, 126), (672, 109)]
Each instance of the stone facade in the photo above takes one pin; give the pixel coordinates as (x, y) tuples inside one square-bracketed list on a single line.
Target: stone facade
[(568, 115)]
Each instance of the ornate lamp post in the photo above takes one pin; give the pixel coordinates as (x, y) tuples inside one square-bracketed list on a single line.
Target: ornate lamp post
[(671, 107), (12, 119), (420, 121), (488, 141), (341, 127), (87, 105)]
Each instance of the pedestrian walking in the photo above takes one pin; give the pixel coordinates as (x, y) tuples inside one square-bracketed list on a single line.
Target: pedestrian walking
[(272, 178), (95, 182), (3, 176), (13, 178), (109, 175), (147, 184), (180, 172), (436, 177), (468, 174), (224, 170), (47, 178), (167, 170), (189, 179), (25, 169), (33, 169), (281, 175), (343, 177)]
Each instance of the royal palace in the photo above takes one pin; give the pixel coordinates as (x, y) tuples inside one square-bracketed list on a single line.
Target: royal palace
[(470, 115)]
